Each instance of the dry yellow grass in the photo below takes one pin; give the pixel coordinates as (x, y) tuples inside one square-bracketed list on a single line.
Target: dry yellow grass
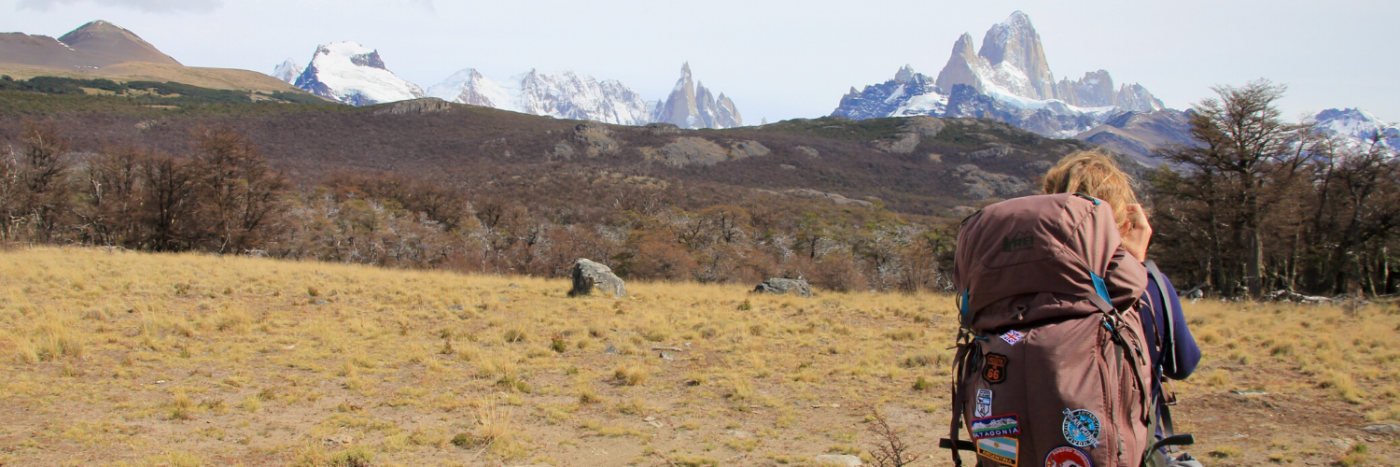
[(119, 358)]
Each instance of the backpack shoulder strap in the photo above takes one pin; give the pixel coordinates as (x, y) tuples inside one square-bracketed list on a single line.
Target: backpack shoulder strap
[(1168, 350)]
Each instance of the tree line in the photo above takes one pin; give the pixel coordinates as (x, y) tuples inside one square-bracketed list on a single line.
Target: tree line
[(1261, 205), (224, 198), (1258, 205)]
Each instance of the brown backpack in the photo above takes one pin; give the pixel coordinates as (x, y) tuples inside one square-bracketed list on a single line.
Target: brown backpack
[(1051, 366)]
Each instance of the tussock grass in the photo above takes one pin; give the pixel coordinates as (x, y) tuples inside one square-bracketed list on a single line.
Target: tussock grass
[(237, 356)]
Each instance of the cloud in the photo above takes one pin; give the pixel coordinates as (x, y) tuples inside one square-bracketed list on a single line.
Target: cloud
[(149, 6)]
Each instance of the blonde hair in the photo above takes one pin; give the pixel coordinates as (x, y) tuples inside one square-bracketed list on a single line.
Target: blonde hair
[(1095, 174)]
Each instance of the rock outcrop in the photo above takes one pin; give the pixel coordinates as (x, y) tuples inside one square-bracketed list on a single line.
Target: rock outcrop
[(780, 286), (694, 150), (415, 106), (589, 275)]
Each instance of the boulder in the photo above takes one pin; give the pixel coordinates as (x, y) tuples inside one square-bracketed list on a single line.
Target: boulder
[(783, 286), (589, 275)]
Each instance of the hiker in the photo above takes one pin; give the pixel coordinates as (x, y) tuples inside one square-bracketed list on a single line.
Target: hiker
[(1054, 366), (1094, 173)]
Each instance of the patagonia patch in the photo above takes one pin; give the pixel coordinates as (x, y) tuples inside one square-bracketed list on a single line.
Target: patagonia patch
[(984, 403), (1017, 241), (1065, 456), (1081, 428), (994, 427), (1013, 336), (1001, 450), (994, 371)]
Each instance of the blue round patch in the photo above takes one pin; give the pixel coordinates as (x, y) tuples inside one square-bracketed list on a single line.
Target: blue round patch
[(1081, 428)]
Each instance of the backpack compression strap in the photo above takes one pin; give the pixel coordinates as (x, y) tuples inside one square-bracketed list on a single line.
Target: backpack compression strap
[(1113, 321)]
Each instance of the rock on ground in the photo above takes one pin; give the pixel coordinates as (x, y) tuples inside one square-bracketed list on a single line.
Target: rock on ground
[(782, 286), (589, 275), (838, 459)]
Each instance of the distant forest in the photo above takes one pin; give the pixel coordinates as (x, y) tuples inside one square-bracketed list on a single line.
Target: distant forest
[(224, 198), (1258, 205)]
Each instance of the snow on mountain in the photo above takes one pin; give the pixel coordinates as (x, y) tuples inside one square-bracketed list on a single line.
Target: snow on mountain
[(561, 95), (567, 95), (353, 74), (908, 94), (1359, 127), (691, 105), (287, 71), (1012, 72)]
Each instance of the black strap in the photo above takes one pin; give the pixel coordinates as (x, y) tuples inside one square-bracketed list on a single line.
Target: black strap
[(1165, 413), (1168, 326), (963, 445)]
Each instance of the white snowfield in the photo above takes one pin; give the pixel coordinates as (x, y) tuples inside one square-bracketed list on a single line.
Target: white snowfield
[(561, 95), (354, 74)]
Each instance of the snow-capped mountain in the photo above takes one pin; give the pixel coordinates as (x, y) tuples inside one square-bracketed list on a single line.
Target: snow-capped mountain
[(562, 95), (1358, 126), (353, 74), (581, 97), (287, 71), (691, 105), (1012, 72), (908, 94)]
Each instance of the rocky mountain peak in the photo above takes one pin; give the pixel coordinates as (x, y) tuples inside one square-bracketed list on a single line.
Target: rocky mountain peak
[(1014, 46), (691, 105), (287, 71), (961, 67), (902, 76)]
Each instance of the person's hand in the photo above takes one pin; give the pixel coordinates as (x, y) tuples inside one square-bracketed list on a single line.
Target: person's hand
[(1139, 233)]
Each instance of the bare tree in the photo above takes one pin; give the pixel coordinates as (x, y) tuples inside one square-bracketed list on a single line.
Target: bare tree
[(889, 449)]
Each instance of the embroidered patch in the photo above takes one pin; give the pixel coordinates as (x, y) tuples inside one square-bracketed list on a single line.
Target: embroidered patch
[(1002, 450), (1013, 336), (994, 371), (992, 427), (1065, 456), (984, 403), (1081, 428)]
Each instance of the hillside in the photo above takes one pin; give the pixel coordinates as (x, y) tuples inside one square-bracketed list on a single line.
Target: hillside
[(117, 358), (925, 165), (100, 49)]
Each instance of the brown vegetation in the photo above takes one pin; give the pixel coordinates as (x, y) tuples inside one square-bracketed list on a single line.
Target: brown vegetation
[(225, 198)]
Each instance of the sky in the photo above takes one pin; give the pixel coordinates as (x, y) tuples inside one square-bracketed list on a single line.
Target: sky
[(785, 59)]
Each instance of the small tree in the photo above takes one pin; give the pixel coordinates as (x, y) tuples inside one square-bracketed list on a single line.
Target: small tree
[(240, 196), (889, 449)]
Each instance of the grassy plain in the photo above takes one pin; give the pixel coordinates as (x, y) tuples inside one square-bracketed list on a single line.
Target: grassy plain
[(117, 358)]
